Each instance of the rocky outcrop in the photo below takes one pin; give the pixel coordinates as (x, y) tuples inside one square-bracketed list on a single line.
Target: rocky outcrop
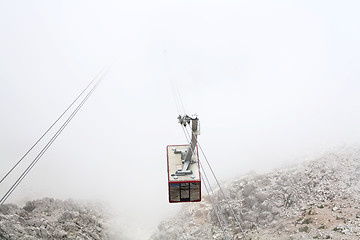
[(319, 199), (52, 219)]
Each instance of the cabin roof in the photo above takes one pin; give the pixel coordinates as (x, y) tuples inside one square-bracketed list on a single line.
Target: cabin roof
[(175, 163)]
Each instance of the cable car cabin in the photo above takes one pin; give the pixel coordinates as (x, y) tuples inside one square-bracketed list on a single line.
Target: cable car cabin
[(183, 177)]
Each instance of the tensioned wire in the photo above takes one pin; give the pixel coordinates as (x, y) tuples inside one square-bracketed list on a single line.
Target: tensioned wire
[(31, 148), (32, 164), (210, 196), (222, 192), (175, 90), (215, 200), (215, 204), (212, 204)]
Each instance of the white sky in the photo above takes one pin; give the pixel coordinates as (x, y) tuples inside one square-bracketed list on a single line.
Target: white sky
[(273, 82)]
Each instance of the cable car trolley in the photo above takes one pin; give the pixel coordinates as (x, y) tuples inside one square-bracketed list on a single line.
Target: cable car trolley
[(183, 166)]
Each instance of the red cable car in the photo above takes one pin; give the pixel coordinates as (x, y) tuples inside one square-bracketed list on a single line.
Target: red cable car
[(183, 167)]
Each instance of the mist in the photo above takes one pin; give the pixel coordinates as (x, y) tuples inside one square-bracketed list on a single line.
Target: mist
[(273, 83)]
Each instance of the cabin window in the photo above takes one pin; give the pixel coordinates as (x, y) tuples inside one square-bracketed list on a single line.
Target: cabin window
[(175, 192), (195, 191), (184, 192)]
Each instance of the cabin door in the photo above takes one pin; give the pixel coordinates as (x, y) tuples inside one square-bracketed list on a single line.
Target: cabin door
[(185, 192)]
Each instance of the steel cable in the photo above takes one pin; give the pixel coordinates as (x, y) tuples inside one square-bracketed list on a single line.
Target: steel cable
[(32, 164), (22, 158), (212, 203), (216, 205), (216, 201), (222, 192), (175, 90)]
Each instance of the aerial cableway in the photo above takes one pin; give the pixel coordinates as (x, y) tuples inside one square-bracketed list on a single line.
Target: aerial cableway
[(186, 173), (75, 106), (184, 165)]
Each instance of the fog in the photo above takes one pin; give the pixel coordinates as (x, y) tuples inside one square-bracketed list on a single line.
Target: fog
[(273, 83)]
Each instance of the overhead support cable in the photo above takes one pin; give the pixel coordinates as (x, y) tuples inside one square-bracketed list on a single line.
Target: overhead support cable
[(180, 99), (32, 164), (175, 90), (218, 206), (178, 109), (214, 202), (186, 136), (222, 192), (31, 148), (177, 98), (213, 205)]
